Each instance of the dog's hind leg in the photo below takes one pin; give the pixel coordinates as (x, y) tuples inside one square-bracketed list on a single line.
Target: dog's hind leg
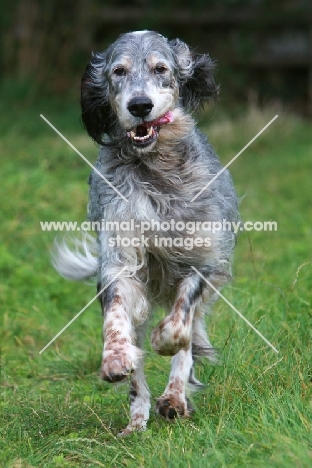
[(186, 318), (201, 346), (173, 402), (139, 393)]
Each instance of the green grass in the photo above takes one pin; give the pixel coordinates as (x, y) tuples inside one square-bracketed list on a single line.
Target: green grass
[(256, 410)]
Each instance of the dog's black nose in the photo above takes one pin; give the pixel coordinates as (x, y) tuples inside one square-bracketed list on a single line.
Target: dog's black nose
[(140, 106)]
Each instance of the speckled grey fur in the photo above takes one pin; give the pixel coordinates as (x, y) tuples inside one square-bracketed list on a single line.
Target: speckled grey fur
[(159, 180)]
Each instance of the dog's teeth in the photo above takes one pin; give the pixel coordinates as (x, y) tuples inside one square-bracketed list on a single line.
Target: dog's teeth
[(150, 133), (146, 137)]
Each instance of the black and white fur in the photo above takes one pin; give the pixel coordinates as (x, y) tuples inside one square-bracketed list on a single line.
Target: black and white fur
[(137, 98)]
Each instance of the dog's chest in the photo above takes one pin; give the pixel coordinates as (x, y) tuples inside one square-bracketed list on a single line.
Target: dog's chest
[(167, 226), (158, 214)]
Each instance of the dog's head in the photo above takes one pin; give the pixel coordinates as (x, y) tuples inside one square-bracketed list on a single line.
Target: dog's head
[(139, 84)]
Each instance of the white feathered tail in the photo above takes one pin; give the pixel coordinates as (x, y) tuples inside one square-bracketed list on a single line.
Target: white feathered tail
[(79, 262)]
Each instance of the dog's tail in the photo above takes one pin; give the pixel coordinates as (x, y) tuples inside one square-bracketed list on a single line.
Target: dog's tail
[(79, 262)]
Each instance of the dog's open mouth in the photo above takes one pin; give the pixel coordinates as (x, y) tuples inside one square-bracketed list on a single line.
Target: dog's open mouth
[(147, 132)]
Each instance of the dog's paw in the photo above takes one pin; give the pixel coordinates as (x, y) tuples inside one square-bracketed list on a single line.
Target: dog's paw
[(132, 428), (171, 406), (119, 363), (170, 336)]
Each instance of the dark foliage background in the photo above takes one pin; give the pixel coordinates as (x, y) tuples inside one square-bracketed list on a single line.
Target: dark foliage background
[(263, 48)]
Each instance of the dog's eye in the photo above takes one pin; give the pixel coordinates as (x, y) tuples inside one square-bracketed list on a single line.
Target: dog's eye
[(160, 69), (120, 71)]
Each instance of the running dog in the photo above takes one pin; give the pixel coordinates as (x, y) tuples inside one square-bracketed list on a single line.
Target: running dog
[(153, 170)]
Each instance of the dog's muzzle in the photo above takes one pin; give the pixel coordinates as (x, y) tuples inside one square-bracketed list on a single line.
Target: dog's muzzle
[(140, 106), (147, 132)]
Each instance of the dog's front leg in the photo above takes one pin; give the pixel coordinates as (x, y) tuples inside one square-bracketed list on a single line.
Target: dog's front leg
[(174, 332), (120, 355)]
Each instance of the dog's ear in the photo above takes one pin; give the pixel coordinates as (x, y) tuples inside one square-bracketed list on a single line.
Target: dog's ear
[(196, 78), (96, 112)]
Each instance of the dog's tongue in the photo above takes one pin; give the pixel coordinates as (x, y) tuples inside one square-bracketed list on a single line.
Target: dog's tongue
[(164, 119)]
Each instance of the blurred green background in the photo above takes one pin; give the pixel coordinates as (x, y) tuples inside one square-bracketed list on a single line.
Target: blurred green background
[(263, 48)]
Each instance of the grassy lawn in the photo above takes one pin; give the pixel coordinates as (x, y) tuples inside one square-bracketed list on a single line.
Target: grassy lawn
[(256, 410)]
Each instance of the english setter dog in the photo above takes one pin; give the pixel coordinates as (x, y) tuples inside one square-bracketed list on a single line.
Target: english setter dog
[(137, 100)]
